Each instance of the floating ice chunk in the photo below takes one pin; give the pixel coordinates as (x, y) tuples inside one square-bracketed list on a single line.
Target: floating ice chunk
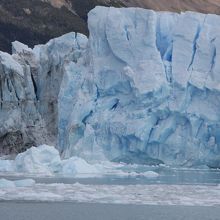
[(6, 166), (43, 159), (46, 160), (6, 183), (76, 165), (24, 183), (150, 174), (147, 174)]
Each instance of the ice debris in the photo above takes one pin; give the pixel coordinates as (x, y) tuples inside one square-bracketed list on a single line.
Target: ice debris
[(46, 161), (4, 183)]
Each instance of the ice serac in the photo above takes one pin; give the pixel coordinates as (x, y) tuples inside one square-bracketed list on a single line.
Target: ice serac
[(145, 90), (20, 122), (29, 85)]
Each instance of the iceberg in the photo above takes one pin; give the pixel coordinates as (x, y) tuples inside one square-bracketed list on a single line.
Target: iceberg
[(6, 165), (6, 183), (151, 194), (25, 183), (43, 159), (46, 160)]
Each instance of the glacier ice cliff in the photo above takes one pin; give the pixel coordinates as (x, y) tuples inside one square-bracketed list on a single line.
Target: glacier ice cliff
[(147, 89), (29, 85), (144, 88)]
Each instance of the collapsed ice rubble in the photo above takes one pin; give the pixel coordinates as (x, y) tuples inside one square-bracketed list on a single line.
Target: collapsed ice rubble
[(159, 194), (45, 161), (144, 89), (4, 183)]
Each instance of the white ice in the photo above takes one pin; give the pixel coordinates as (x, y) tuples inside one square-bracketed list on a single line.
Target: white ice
[(189, 195), (144, 89), (46, 161), (149, 85)]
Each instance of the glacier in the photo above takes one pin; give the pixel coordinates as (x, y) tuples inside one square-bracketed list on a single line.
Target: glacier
[(143, 88), (146, 91)]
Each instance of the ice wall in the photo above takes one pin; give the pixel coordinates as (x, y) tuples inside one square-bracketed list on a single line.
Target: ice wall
[(29, 86), (146, 90)]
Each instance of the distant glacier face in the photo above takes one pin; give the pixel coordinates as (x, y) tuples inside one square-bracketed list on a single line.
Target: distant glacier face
[(144, 88)]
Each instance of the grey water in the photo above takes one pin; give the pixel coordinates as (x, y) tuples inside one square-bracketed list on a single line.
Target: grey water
[(31, 210), (166, 176), (85, 211)]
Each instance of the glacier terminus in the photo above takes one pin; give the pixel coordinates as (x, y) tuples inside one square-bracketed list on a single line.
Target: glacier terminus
[(143, 88)]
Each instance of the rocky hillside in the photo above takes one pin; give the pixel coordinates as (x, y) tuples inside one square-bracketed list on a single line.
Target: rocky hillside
[(204, 6), (36, 21)]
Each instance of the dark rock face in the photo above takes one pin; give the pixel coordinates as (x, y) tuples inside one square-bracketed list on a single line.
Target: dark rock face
[(37, 21)]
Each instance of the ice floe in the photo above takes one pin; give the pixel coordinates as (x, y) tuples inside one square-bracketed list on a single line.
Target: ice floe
[(189, 195), (46, 161), (4, 183)]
